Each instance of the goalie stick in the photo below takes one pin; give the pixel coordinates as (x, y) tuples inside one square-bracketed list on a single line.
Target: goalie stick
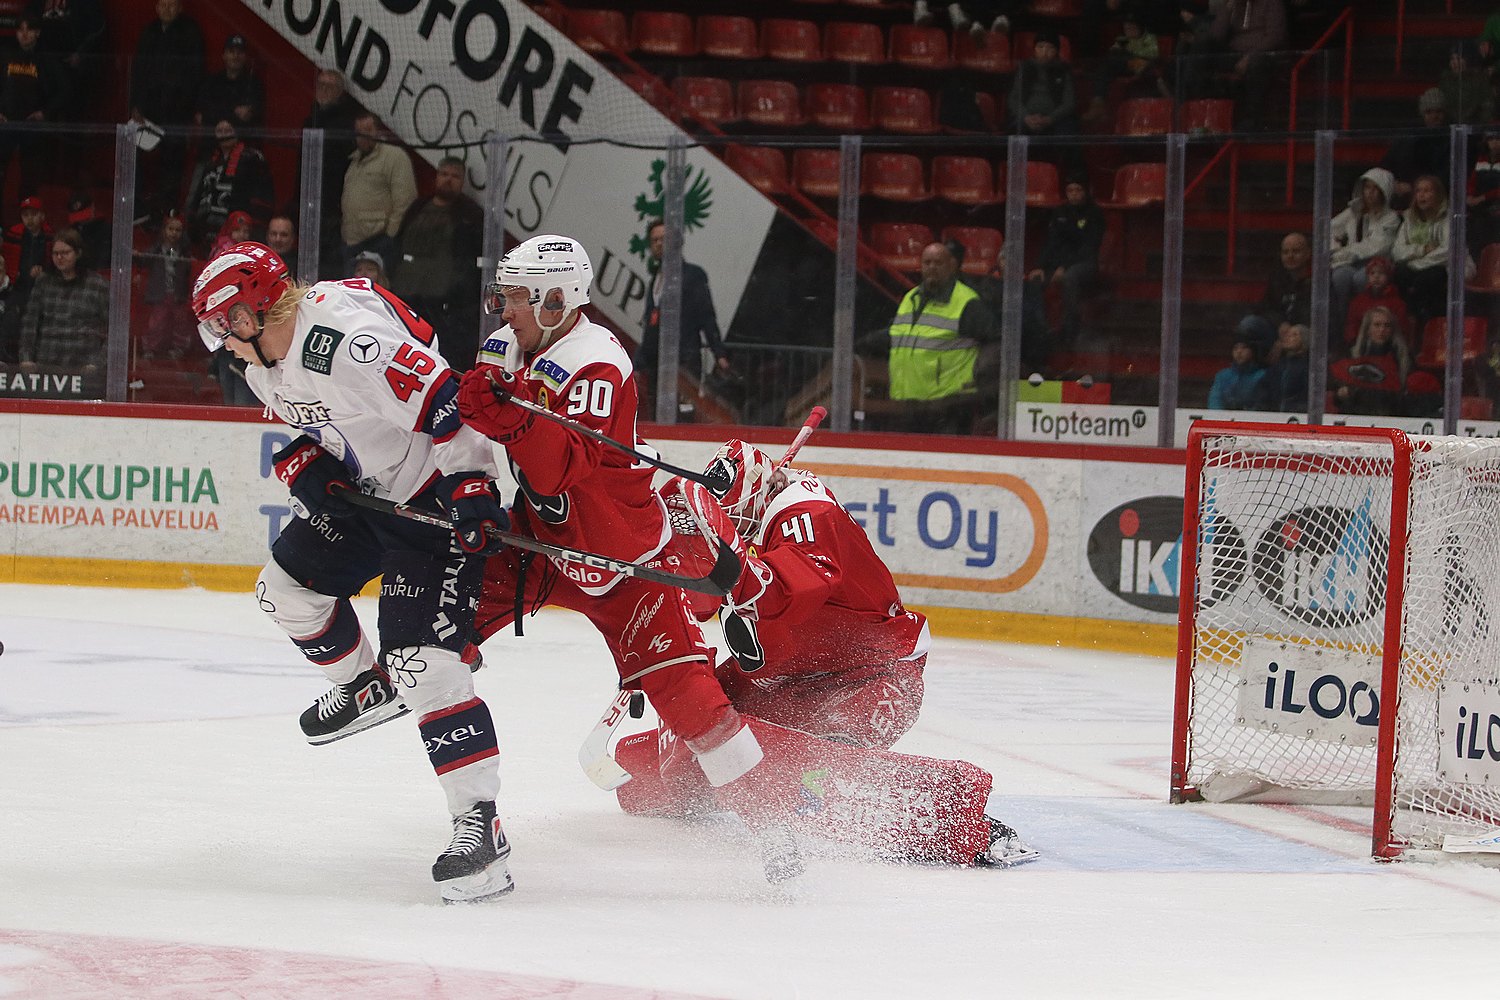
[(718, 581), (594, 756)]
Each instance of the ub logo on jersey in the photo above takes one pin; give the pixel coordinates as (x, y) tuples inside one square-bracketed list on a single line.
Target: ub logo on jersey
[(318, 348)]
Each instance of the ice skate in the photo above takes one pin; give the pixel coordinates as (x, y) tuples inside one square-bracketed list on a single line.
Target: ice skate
[(1006, 849), (346, 709), (779, 854), (474, 865)]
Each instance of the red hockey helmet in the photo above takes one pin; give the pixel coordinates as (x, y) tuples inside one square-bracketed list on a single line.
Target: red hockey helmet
[(740, 478), (245, 274)]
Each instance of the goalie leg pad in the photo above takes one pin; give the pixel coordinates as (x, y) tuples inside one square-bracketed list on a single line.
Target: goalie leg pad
[(462, 749), (867, 706), (324, 628), (898, 807)]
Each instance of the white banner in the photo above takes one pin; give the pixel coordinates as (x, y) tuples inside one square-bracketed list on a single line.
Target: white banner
[(1086, 423), (1469, 733), (451, 75), (1310, 692)]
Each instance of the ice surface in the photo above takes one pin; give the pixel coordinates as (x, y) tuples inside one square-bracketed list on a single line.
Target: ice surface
[(165, 832)]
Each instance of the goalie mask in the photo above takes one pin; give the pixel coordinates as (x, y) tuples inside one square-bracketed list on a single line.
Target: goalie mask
[(740, 478), (245, 274), (554, 270)]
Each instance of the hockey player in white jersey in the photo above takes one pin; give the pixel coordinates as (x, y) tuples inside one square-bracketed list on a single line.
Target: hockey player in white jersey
[(353, 369)]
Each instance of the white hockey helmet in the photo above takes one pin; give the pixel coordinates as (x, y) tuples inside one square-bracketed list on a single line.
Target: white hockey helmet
[(740, 478), (542, 265)]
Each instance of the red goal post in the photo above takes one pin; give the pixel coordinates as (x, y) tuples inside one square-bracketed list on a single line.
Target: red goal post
[(1339, 628)]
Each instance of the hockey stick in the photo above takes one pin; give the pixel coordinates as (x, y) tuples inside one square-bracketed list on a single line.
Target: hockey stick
[(594, 756), (503, 394), (724, 574)]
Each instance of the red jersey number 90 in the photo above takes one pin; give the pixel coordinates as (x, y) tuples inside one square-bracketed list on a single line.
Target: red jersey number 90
[(592, 396)]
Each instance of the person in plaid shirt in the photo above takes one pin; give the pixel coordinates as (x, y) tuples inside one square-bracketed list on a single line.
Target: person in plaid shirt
[(67, 316)]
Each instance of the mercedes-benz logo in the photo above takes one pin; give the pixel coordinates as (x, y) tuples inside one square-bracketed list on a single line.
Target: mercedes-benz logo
[(364, 348)]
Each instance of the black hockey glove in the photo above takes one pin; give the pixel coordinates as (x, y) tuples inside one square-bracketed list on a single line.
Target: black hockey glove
[(474, 507), (315, 478)]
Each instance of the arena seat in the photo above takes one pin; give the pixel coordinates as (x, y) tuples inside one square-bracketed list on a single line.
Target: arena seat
[(922, 47), (838, 106), (791, 40), (1208, 114), (1138, 185), (900, 244), (763, 166), (981, 244), (725, 36), (1043, 188), (1434, 352), (599, 31), (903, 109), (1144, 116), (816, 172), (854, 42), (774, 103), (664, 33), (894, 177), (989, 53), (1486, 280), (964, 180), (707, 98)]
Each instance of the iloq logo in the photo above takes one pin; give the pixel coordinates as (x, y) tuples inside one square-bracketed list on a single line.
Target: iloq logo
[(1310, 692), (1321, 565)]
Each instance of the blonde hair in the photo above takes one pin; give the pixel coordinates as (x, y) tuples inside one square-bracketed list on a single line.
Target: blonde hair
[(285, 308), (1399, 348)]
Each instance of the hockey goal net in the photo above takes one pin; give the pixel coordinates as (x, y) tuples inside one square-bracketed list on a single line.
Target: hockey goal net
[(1337, 641)]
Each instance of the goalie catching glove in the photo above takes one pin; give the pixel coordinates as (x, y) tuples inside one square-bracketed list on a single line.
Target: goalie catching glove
[(474, 509), (492, 413), (315, 479)]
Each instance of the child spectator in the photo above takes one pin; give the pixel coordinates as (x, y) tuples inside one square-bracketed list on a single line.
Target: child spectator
[(169, 321), (27, 250), (1284, 387), (1238, 386), (1363, 230), (1134, 56), (1421, 251), (1380, 290), (236, 229)]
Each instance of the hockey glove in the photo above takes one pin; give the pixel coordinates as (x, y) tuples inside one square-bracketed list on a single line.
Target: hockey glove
[(754, 580), (492, 413), (315, 478), (474, 508)]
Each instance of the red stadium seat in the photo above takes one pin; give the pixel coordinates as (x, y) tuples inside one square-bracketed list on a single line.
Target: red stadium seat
[(989, 111), (989, 53), (1138, 185), (963, 180), (900, 244), (838, 106), (903, 109), (763, 166), (854, 42), (599, 30), (707, 98), (1476, 408), (1043, 190), (925, 48), (816, 172), (727, 37), (1056, 8), (1144, 116), (770, 103), (1434, 352), (1486, 280), (791, 40), (1023, 45), (894, 177), (1210, 114), (981, 246), (664, 33)]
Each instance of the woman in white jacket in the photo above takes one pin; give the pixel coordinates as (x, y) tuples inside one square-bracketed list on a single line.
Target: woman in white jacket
[(1363, 230), (1421, 252)]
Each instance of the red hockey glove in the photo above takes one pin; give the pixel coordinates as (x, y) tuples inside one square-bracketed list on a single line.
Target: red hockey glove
[(315, 478), (492, 414), (474, 508)]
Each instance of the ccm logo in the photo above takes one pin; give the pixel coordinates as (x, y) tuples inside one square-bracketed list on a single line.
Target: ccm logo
[(448, 739)]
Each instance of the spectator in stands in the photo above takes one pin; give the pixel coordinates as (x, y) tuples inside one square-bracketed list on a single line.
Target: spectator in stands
[(1242, 41), (169, 330), (1288, 294), (1484, 194), (379, 186), (935, 340), (1366, 228), (33, 88), (1421, 151), (96, 231), (1284, 386), (1237, 387), (369, 264), (236, 229), (1380, 290), (1468, 95), (1189, 72), (74, 31), (165, 75), (1421, 251), (1134, 57), (281, 236), (1042, 98), (1488, 45), (233, 177), (437, 272), (333, 111), (974, 16), (28, 252), (67, 316), (1374, 377), (234, 93), (1069, 261), (700, 347)]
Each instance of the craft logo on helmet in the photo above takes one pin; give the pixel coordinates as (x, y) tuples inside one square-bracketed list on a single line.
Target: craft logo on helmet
[(564, 247), (318, 349), (1136, 548), (1318, 565)]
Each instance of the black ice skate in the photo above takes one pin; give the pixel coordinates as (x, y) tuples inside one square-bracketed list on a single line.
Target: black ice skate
[(1006, 848), (779, 854), (346, 709), (473, 867)]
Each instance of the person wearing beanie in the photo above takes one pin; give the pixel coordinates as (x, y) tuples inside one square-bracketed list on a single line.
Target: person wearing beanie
[(1042, 98), (1422, 151), (1237, 387), (1468, 98), (1070, 253), (1380, 290)]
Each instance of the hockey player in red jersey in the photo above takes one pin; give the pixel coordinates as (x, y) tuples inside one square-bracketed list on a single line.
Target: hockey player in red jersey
[(822, 643), (354, 370)]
